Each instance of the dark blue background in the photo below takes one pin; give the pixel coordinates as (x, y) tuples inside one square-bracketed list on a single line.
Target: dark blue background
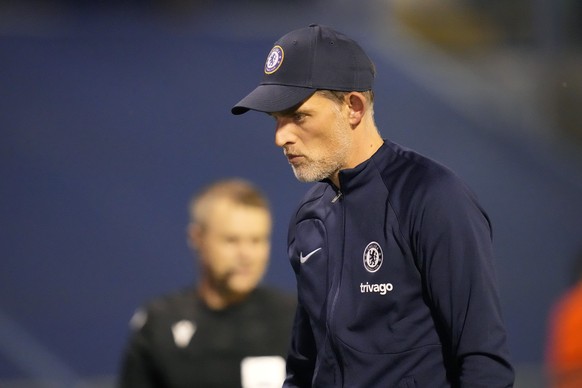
[(108, 124)]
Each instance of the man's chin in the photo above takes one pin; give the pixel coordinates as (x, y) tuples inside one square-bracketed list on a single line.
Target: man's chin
[(242, 289), (302, 177)]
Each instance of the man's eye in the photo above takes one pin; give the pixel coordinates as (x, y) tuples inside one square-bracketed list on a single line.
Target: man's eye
[(298, 116)]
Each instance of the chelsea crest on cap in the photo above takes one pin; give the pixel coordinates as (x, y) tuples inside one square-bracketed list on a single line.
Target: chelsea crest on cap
[(303, 61), (274, 59)]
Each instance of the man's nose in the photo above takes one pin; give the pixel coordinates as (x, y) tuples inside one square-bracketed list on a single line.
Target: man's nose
[(283, 133)]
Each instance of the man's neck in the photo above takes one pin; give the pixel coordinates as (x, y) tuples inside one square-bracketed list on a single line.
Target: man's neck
[(217, 299), (363, 148)]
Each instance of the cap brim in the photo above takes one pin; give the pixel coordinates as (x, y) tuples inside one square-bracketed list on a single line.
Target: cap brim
[(272, 98)]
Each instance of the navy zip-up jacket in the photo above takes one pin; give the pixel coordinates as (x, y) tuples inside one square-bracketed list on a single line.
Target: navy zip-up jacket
[(395, 280)]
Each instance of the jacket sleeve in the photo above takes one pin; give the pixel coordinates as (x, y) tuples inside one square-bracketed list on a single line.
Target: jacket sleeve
[(302, 351), (301, 356), (136, 368), (454, 246)]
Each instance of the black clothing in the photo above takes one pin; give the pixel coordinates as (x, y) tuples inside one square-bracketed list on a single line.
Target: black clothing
[(210, 352), (396, 282)]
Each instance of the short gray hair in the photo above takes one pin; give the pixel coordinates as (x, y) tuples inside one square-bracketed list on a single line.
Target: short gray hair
[(239, 191)]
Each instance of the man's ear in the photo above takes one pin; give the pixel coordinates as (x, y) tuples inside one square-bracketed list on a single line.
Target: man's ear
[(357, 107), (194, 232)]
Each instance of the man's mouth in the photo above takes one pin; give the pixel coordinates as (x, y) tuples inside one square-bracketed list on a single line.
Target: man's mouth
[(292, 157)]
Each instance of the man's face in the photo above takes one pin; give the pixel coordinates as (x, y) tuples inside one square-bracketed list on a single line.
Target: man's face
[(315, 137), (233, 246)]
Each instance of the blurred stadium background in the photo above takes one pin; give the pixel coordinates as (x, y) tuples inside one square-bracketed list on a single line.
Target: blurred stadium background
[(112, 113)]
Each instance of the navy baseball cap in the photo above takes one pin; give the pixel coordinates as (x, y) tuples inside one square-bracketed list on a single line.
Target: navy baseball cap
[(303, 61)]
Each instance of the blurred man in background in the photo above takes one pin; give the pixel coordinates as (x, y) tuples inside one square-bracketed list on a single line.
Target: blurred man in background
[(226, 331), (564, 351)]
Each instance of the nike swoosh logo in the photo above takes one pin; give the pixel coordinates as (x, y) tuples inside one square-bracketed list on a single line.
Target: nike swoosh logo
[(303, 259)]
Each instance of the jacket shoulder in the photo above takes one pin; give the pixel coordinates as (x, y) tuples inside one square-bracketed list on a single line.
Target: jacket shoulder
[(409, 174), (167, 306)]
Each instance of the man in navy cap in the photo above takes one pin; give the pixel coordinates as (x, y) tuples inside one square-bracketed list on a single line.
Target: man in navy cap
[(392, 252)]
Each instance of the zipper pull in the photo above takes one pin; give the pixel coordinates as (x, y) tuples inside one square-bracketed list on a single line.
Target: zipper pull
[(339, 194)]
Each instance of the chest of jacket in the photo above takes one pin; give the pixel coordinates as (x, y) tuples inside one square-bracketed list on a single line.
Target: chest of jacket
[(356, 273)]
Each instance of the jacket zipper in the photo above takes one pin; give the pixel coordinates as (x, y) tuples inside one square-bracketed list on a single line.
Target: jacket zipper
[(336, 291)]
